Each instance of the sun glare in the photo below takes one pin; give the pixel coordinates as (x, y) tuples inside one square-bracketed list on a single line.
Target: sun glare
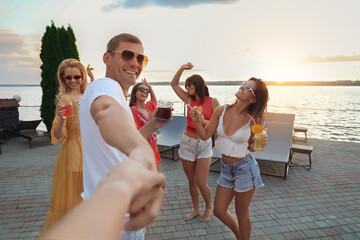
[(284, 73)]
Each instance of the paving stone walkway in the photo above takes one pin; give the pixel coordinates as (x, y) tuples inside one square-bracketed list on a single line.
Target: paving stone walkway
[(323, 203)]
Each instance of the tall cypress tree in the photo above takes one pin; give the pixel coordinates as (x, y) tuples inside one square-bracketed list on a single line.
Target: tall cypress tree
[(57, 45), (72, 45), (68, 44), (51, 56)]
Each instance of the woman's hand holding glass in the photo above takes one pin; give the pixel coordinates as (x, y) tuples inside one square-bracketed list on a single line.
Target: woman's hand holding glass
[(258, 146), (60, 110), (65, 110), (195, 115), (156, 122)]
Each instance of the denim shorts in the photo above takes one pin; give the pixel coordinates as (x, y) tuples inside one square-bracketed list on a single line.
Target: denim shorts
[(241, 176), (191, 149)]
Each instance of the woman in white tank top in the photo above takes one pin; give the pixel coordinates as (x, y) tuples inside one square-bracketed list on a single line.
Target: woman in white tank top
[(240, 173)]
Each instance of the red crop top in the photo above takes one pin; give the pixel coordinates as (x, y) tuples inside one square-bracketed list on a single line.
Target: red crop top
[(205, 108)]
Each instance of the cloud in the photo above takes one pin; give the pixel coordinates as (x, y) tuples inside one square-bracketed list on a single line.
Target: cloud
[(339, 58), (10, 42), (17, 63), (162, 3)]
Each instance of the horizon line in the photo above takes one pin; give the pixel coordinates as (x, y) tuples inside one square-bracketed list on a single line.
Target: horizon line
[(233, 82)]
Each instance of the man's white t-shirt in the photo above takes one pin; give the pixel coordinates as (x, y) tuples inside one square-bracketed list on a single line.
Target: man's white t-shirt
[(98, 156)]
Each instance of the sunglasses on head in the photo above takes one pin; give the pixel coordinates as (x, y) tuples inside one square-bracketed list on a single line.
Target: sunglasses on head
[(69, 77), (247, 88), (127, 55), (141, 89)]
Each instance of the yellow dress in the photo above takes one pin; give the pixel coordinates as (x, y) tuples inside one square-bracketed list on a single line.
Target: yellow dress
[(67, 182)]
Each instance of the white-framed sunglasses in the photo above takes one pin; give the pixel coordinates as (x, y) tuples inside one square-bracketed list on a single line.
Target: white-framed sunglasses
[(247, 88)]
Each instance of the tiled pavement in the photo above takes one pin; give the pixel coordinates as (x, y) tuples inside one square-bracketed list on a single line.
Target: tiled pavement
[(323, 203)]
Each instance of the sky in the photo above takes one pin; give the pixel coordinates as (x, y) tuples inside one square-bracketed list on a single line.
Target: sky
[(276, 40)]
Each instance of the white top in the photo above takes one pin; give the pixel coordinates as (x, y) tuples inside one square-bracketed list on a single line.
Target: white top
[(98, 156), (235, 145)]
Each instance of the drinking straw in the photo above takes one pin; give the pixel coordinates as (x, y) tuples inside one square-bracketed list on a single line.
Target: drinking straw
[(252, 118), (187, 104), (59, 99)]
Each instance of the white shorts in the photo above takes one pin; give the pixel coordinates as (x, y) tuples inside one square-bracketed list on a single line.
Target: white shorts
[(191, 149)]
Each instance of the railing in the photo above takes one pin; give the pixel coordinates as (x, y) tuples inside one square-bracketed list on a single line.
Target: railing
[(181, 105)]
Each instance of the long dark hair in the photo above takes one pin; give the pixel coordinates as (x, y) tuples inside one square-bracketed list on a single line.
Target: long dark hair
[(257, 108), (200, 87), (133, 94)]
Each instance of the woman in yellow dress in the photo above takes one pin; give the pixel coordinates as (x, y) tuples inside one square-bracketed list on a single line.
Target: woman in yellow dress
[(67, 182)]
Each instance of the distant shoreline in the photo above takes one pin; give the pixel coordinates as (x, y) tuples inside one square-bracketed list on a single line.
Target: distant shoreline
[(269, 83), (19, 85)]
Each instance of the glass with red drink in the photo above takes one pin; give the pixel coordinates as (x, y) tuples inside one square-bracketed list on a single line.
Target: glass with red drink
[(68, 108), (164, 110)]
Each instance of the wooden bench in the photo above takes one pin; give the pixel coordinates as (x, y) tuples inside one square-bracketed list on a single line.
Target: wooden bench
[(1, 142), (2, 138), (303, 149), (300, 129), (27, 130)]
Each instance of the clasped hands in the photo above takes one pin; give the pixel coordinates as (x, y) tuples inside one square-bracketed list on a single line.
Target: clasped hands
[(144, 189)]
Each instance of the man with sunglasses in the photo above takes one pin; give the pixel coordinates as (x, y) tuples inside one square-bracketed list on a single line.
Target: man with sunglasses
[(108, 132)]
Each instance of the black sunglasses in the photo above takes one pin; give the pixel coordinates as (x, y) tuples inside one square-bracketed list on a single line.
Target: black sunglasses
[(141, 89), (127, 55)]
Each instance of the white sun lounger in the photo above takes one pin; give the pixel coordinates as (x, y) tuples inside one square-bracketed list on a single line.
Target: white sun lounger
[(171, 134), (279, 129), (279, 117)]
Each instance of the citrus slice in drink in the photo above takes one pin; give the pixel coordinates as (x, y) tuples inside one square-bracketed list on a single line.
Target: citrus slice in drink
[(257, 128), (200, 108)]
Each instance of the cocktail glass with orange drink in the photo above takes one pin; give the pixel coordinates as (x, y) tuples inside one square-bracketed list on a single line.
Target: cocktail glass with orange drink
[(260, 135)]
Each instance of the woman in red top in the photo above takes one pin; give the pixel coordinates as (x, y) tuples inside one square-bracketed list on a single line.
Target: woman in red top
[(195, 153), (142, 111)]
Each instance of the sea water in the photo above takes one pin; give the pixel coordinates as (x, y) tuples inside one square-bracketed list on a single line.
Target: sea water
[(329, 112)]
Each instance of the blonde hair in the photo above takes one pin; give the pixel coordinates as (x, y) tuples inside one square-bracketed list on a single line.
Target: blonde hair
[(70, 63)]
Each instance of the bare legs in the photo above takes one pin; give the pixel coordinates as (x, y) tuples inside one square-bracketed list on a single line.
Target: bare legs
[(242, 205), (223, 198), (241, 227), (196, 173)]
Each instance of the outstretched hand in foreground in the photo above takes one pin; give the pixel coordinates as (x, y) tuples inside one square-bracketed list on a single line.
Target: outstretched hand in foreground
[(129, 187)]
